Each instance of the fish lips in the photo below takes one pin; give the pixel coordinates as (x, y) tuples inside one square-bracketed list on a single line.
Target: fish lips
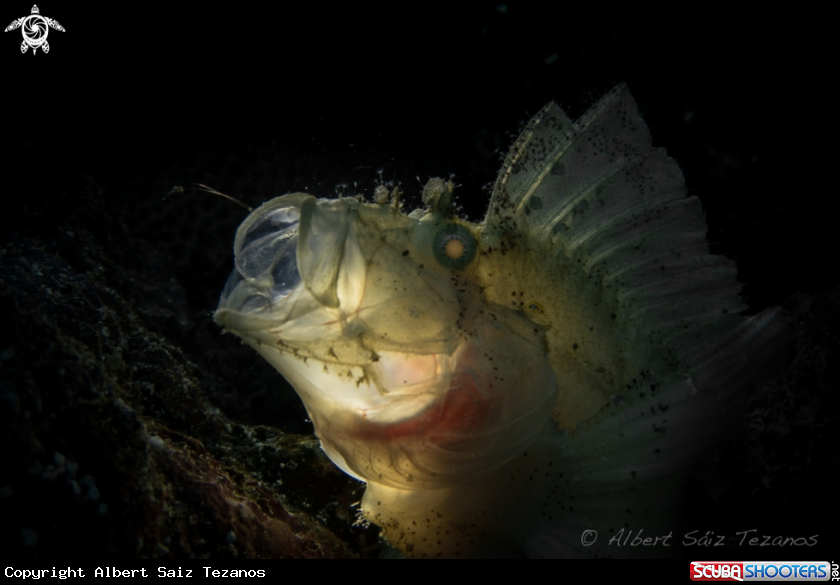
[(291, 241)]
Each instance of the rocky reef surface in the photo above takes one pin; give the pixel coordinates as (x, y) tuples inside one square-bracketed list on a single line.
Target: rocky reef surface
[(113, 440)]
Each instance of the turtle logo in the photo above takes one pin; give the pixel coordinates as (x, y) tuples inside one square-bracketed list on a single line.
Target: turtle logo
[(34, 28)]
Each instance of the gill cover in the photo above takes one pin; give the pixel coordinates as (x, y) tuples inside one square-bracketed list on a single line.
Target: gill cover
[(410, 379)]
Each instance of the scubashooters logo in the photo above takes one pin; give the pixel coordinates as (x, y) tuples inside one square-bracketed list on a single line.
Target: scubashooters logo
[(793, 571), (35, 29)]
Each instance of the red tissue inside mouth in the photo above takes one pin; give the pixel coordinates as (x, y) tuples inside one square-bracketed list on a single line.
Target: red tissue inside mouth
[(462, 408)]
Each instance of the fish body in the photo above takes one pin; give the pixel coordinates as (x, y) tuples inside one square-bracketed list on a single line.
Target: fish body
[(505, 387)]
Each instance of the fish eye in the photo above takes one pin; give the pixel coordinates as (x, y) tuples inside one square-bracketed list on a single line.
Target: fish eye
[(454, 246)]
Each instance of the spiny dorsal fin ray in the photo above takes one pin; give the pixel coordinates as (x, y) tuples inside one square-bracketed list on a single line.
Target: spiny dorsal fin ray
[(601, 195), (544, 135)]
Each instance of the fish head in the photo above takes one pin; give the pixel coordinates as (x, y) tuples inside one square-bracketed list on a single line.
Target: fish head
[(513, 386), (411, 377)]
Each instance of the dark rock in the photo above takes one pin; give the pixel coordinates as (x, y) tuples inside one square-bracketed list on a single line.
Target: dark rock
[(107, 374)]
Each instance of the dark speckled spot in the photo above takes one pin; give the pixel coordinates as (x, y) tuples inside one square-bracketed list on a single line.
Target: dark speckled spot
[(535, 203), (558, 227)]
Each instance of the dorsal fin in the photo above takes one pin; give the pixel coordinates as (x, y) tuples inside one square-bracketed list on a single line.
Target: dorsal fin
[(603, 197)]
